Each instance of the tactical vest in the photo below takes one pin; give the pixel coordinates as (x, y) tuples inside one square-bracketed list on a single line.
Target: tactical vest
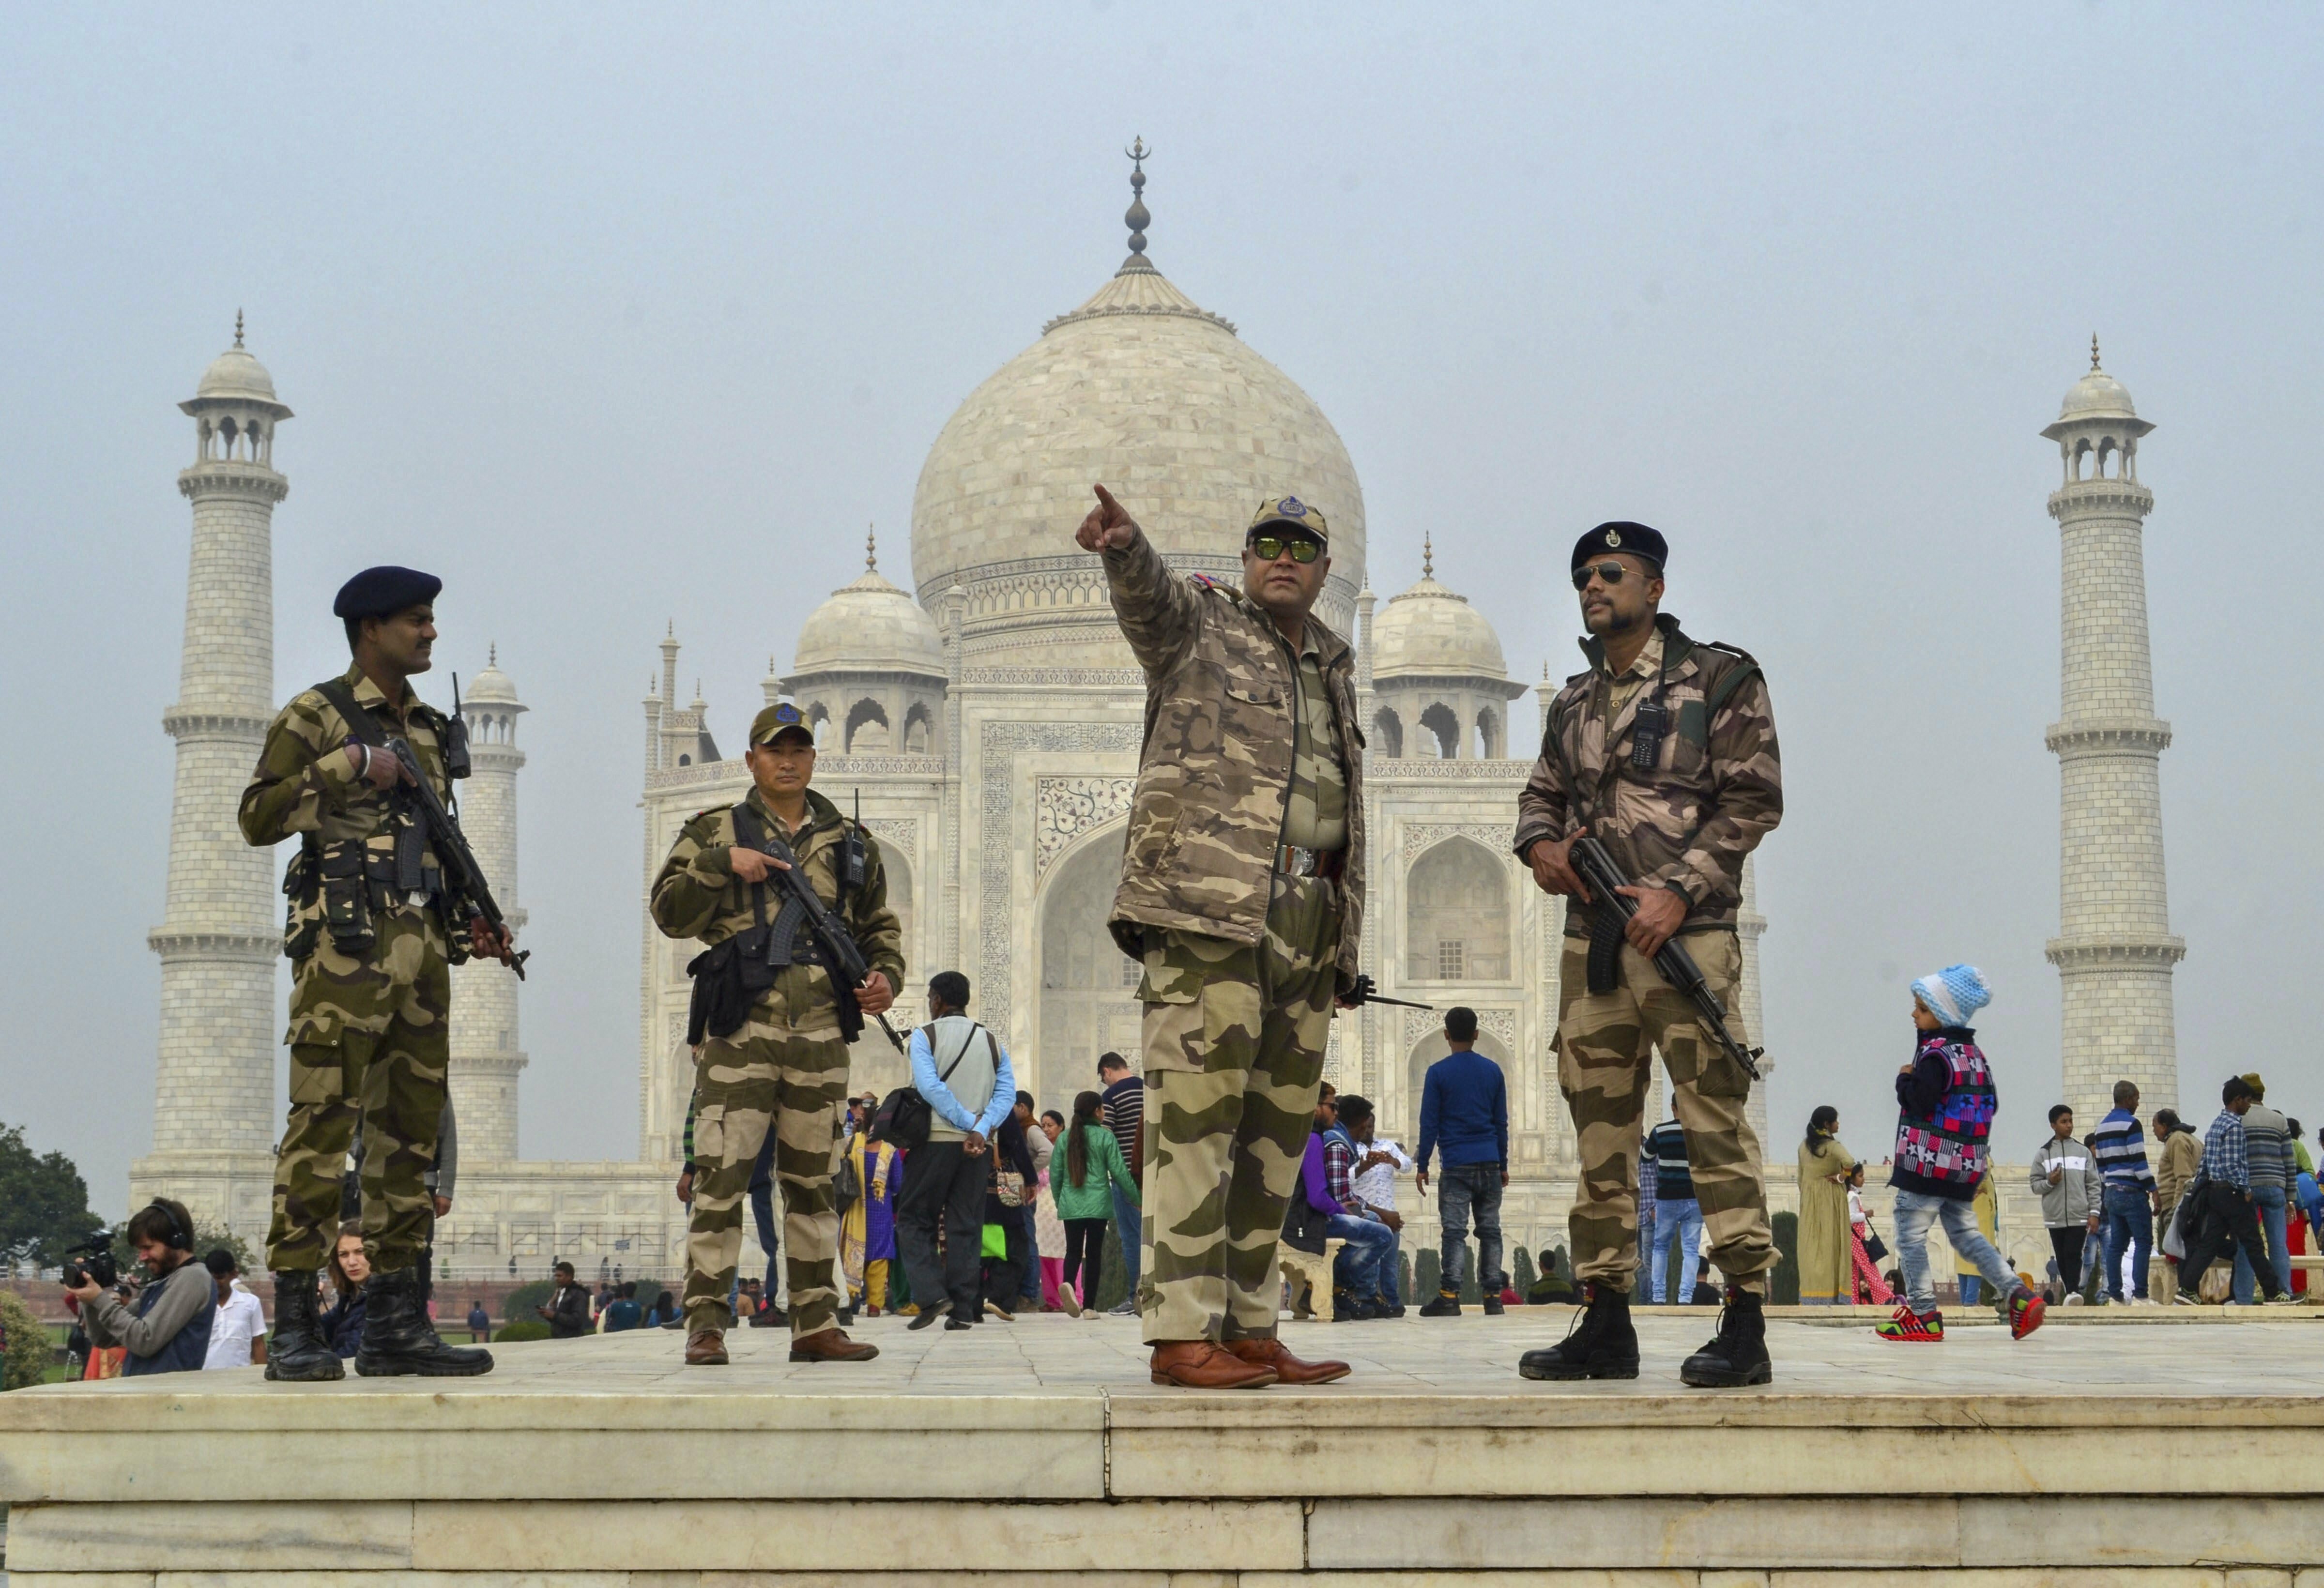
[(1950, 1146), (339, 887)]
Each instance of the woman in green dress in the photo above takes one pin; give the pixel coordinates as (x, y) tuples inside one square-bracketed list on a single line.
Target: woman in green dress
[(1825, 1268)]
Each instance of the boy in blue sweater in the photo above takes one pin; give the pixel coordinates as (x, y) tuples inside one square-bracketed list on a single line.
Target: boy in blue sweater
[(1945, 1103), (1464, 1109)]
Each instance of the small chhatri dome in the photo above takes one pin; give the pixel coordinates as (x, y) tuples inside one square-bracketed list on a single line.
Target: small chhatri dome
[(235, 375), (490, 687), (870, 626), (1430, 632), (2098, 394)]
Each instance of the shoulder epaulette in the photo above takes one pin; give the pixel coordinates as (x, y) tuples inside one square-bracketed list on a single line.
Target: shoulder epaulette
[(1201, 581)]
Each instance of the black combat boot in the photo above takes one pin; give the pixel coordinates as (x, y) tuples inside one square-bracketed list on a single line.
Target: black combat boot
[(1447, 1305), (1601, 1343), (399, 1340), (297, 1351), (1737, 1354)]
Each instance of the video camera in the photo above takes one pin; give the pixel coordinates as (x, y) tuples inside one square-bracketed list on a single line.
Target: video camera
[(98, 1268)]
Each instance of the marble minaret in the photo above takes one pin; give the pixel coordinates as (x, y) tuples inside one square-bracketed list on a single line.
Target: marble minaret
[(220, 937), (2114, 951), (486, 1056)]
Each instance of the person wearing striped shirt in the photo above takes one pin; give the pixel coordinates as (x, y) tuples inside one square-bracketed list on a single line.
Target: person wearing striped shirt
[(2128, 1201), (2229, 1223)]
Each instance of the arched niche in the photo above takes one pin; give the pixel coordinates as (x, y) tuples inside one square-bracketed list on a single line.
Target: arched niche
[(1456, 915), (1088, 994)]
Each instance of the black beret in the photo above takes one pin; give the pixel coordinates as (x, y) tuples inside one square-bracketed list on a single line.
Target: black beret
[(1621, 535), (382, 592)]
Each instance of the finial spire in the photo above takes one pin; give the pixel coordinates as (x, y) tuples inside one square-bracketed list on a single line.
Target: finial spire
[(871, 548), (1135, 217), (492, 654), (1427, 555), (2094, 350), (238, 328)]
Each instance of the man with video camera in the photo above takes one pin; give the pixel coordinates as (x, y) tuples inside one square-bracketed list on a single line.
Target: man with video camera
[(169, 1329)]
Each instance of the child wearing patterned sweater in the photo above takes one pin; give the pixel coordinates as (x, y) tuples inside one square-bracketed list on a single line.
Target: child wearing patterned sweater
[(1945, 1103)]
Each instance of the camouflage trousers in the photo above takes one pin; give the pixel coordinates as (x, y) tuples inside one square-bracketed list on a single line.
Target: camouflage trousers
[(1605, 1044), (786, 1070), (1234, 1038), (369, 1038)]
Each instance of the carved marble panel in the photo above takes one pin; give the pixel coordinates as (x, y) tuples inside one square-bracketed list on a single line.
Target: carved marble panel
[(1065, 808)]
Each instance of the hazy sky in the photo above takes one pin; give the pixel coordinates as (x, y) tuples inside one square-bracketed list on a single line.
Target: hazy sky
[(616, 317)]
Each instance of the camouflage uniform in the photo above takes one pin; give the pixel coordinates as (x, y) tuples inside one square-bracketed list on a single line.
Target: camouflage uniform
[(368, 1035), (786, 1069), (1246, 748), (1715, 790)]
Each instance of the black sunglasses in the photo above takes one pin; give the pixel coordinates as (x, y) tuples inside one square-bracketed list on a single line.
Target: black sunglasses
[(1271, 546), (1609, 573)]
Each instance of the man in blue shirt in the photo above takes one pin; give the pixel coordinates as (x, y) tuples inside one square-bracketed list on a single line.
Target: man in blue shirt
[(2129, 1200), (1464, 1109), (965, 1074)]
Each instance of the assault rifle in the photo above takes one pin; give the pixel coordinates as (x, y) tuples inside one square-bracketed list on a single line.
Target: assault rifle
[(1366, 991), (1602, 877), (462, 877), (849, 969)]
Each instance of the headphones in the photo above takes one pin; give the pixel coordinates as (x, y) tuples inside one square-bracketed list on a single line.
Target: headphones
[(177, 1236)]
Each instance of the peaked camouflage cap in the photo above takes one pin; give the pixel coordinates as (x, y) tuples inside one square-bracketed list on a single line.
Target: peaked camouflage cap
[(775, 721), (1292, 514)]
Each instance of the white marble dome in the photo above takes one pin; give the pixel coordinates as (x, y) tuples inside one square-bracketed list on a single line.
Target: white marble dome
[(490, 687), (235, 375), (1430, 632), (870, 626), (2097, 395), (1158, 399)]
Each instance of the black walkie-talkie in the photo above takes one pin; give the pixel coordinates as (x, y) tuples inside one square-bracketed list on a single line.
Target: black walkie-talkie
[(1646, 731)]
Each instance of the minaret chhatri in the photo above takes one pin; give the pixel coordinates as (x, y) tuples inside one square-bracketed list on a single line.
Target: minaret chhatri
[(221, 931), (2114, 951), (486, 1056)]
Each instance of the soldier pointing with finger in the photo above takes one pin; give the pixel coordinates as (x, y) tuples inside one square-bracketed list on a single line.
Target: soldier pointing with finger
[(1665, 751), (1242, 894)]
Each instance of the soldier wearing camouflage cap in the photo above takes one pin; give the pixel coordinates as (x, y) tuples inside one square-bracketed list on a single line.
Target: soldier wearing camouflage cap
[(371, 943), (771, 1053), (1242, 893), (1663, 750)]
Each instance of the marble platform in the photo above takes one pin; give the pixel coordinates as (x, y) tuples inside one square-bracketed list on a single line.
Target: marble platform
[(2119, 1445)]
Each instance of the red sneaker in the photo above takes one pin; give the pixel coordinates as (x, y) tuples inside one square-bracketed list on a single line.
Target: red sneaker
[(1912, 1327), (2025, 1311)]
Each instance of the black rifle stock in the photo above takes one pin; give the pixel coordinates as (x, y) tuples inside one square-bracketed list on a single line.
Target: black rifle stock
[(846, 959), (1602, 876), (462, 874)]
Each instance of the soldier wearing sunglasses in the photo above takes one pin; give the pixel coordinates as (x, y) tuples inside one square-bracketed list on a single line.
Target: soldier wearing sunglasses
[(1663, 750), (1242, 893)]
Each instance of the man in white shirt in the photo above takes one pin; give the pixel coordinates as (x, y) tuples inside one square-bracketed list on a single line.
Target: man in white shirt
[(1371, 1181), (238, 1330)]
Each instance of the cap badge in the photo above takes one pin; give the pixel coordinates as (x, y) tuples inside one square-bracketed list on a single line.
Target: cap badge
[(789, 714), (1292, 507), (1613, 537)]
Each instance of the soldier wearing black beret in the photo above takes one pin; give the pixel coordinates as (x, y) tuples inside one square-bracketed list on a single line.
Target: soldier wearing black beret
[(1663, 750), (371, 940)]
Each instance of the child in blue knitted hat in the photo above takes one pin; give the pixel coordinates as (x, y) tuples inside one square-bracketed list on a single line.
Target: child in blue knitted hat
[(1945, 1101)]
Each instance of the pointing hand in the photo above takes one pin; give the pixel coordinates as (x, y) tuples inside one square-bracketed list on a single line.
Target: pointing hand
[(1108, 526)]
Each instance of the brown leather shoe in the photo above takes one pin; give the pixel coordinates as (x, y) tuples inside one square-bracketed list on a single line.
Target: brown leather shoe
[(831, 1345), (707, 1348), (1204, 1364), (1271, 1353)]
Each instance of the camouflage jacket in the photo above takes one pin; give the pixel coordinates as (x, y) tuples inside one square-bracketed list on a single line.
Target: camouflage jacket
[(302, 786), (697, 894), (1715, 790), (1214, 777)]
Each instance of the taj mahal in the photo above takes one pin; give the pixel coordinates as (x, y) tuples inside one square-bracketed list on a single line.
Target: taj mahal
[(980, 702)]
